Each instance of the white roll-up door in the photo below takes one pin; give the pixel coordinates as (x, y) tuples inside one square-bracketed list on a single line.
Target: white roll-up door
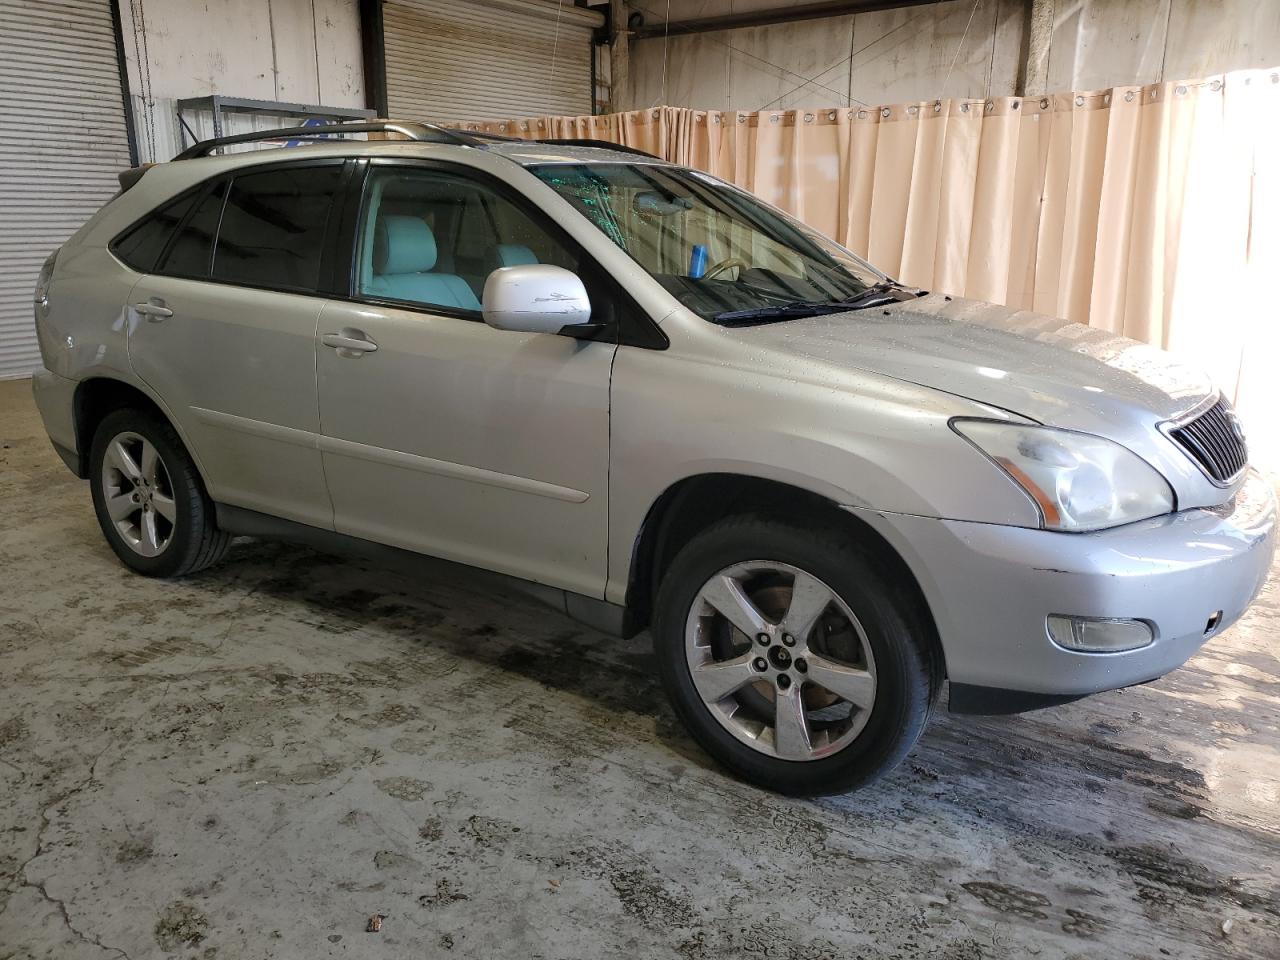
[(480, 59), (62, 142)]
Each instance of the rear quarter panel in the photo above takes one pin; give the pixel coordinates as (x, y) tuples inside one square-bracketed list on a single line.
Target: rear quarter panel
[(84, 332)]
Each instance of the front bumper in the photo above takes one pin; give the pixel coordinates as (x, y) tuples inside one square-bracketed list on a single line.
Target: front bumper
[(990, 589)]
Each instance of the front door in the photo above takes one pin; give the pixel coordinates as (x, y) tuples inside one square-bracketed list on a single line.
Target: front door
[(444, 435)]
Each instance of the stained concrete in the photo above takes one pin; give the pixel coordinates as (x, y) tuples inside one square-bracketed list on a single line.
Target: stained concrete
[(254, 761)]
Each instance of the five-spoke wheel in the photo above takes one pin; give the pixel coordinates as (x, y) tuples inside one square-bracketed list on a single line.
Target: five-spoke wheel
[(768, 631), (793, 654), (150, 502), (138, 494)]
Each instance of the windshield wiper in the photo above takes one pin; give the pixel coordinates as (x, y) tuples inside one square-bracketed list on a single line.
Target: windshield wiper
[(778, 311), (886, 291), (879, 293)]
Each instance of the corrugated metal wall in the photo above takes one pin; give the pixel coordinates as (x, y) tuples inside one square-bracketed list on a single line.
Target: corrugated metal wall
[(452, 60), (64, 142)]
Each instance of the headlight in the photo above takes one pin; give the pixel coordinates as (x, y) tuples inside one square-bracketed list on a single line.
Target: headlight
[(1079, 482)]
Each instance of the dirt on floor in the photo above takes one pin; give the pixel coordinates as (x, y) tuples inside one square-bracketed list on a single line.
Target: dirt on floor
[(262, 760)]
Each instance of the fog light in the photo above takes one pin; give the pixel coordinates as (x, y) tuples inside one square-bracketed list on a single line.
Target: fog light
[(1098, 635)]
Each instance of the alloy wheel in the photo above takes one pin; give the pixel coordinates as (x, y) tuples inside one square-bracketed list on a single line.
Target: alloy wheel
[(780, 660), (138, 494)]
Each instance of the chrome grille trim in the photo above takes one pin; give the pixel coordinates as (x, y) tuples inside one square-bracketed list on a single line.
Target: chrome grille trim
[(1212, 439)]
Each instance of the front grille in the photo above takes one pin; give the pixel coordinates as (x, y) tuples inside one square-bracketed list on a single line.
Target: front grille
[(1215, 442)]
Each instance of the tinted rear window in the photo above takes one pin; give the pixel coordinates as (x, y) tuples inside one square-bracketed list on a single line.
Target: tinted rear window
[(273, 227), (188, 255), (142, 246)]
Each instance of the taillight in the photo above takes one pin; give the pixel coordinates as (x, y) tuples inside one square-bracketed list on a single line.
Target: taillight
[(46, 277)]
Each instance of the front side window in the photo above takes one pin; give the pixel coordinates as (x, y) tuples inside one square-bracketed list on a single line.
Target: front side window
[(432, 237), (273, 227), (715, 248)]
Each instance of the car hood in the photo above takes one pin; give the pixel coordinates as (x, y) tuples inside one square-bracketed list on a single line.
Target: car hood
[(1058, 373)]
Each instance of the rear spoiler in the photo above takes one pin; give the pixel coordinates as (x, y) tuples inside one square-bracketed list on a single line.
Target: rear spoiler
[(131, 176)]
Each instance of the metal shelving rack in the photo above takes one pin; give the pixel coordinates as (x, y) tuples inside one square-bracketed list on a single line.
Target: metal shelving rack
[(219, 106)]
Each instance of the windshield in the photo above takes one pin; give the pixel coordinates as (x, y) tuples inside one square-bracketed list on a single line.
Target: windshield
[(714, 247)]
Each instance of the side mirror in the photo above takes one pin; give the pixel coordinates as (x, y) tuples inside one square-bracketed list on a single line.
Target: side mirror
[(536, 298)]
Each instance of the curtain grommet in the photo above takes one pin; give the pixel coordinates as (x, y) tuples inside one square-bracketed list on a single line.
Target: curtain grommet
[(773, 118), (886, 113), (808, 118), (964, 108), (989, 106), (741, 118), (913, 110), (937, 106), (1079, 101), (1128, 97), (1215, 86), (862, 114), (1015, 104), (1180, 90), (1044, 103), (831, 115)]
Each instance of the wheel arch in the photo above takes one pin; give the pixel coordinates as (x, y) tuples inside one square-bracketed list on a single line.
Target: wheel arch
[(95, 397), (694, 503)]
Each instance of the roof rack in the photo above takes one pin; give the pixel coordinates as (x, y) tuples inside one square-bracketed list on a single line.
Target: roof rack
[(487, 137), (602, 144), (421, 132)]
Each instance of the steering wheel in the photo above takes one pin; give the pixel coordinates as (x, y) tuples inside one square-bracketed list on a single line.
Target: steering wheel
[(728, 263)]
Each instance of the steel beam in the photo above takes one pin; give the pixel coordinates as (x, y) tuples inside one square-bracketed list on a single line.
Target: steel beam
[(756, 18)]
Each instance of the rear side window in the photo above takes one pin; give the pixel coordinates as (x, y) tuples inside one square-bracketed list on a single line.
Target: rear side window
[(141, 246), (273, 227), (189, 253)]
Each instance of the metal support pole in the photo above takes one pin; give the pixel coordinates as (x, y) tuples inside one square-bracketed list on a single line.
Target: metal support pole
[(619, 57), (1037, 35)]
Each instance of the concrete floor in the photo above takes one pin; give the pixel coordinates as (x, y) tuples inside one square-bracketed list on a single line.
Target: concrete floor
[(254, 761)]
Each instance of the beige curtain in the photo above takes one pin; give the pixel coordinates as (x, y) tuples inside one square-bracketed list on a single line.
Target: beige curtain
[(1150, 211)]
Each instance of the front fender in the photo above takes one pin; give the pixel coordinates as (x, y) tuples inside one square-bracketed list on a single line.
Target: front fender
[(875, 444)]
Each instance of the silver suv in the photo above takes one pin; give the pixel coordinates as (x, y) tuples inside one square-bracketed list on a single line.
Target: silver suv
[(658, 402)]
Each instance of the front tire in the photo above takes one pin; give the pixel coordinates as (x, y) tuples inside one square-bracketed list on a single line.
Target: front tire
[(792, 656), (150, 502)]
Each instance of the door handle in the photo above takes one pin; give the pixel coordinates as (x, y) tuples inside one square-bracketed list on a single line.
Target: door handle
[(349, 343), (153, 309)]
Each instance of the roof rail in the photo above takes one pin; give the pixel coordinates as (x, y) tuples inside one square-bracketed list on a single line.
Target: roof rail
[(602, 144), (421, 132), (485, 136)]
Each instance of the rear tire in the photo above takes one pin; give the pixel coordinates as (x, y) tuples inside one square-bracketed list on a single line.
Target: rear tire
[(867, 640), (150, 501)]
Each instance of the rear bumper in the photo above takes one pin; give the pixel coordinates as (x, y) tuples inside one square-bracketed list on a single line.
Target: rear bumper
[(55, 399), (990, 589)]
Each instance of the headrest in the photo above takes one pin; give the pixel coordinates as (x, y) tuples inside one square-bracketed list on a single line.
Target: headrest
[(515, 255), (402, 245)]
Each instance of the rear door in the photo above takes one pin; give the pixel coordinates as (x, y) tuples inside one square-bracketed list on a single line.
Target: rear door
[(224, 331)]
